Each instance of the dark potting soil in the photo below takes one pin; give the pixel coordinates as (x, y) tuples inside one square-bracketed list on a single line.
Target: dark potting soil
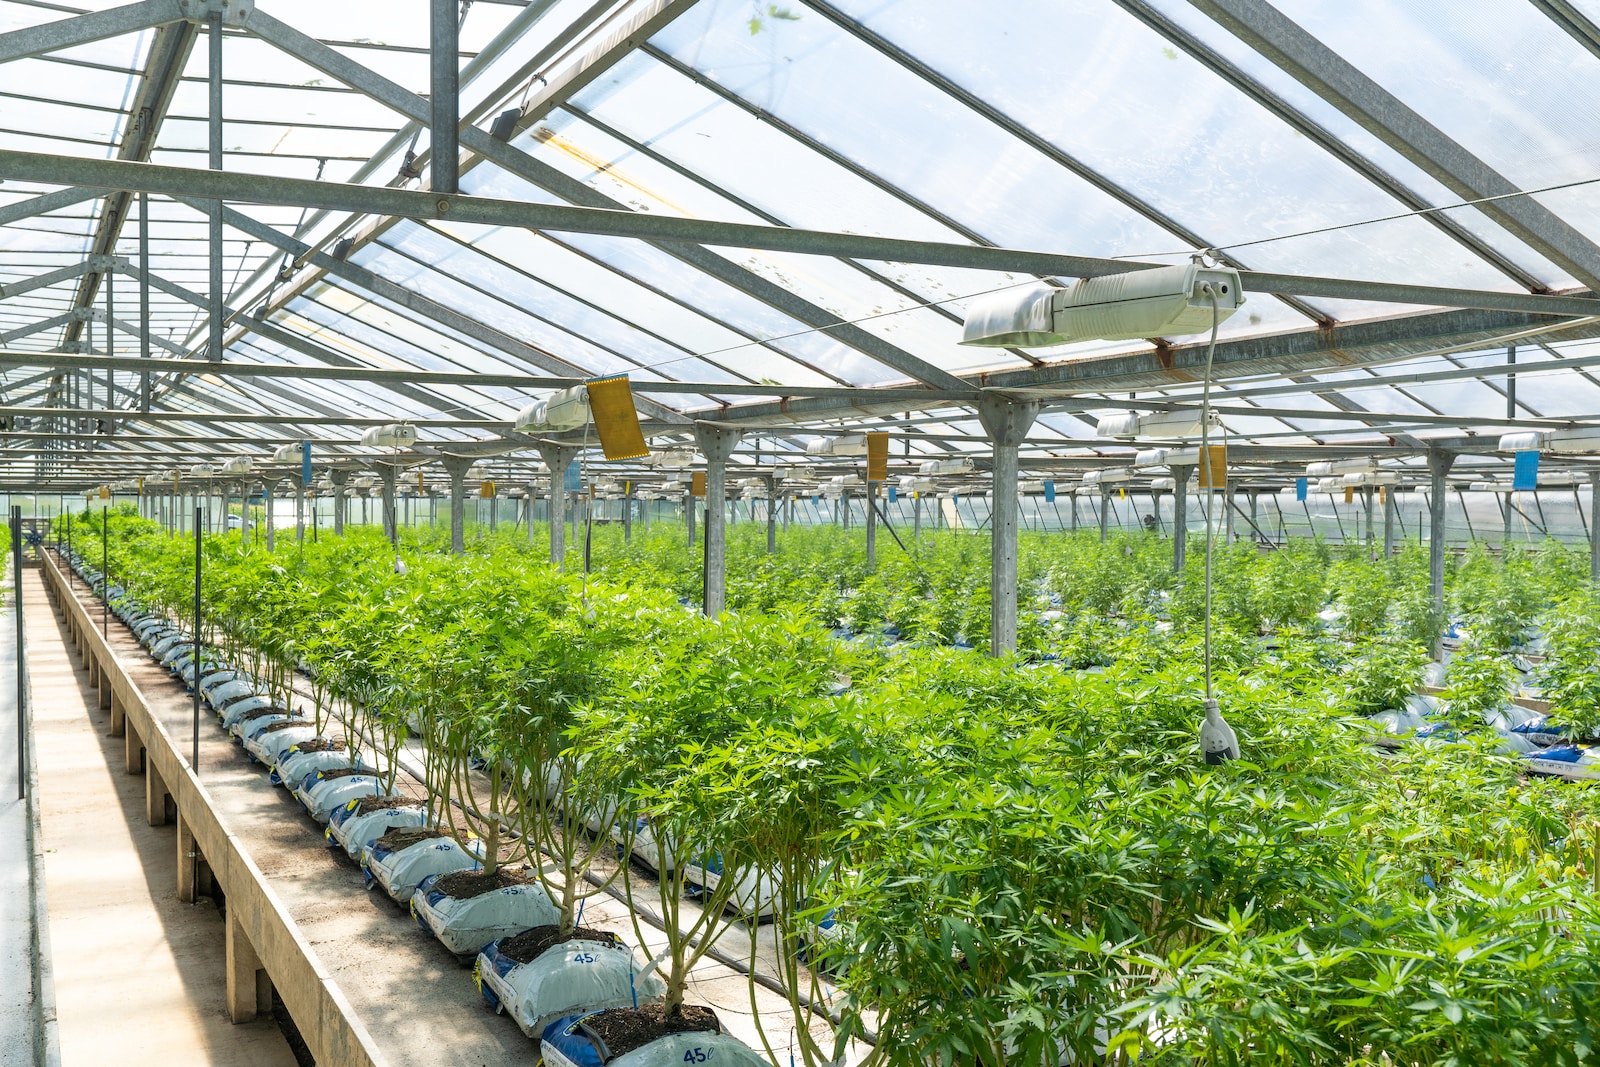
[(622, 1030), (368, 805), (464, 885), (344, 772), (322, 744), (274, 727), (250, 716), (531, 944), (406, 836)]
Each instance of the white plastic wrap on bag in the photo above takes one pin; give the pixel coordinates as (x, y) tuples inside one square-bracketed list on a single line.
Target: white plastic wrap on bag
[(465, 926), (235, 712), (752, 894), (575, 976), (271, 746), (400, 872), (248, 727), (356, 832), (645, 848), (320, 796), (236, 688), (1434, 676), (674, 1050), (294, 766)]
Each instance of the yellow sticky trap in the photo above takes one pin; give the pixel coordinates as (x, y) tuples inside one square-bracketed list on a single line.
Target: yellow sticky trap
[(141, 487), (615, 419), (1349, 494), (421, 487), (1123, 493), (486, 489), (1383, 494), (105, 492), (697, 484), (1214, 472), (877, 457)]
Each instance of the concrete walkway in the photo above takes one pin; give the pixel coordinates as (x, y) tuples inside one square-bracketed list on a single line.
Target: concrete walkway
[(16, 906), (139, 976)]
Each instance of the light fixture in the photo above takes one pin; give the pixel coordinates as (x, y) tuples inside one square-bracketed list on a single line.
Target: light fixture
[(283, 454), (200, 470), (1371, 478), (236, 465), (912, 483), (1166, 457), (852, 444), (1160, 302), (566, 409), (1579, 439), (1184, 422), (1108, 475), (393, 435), (933, 468), (670, 458), (1326, 467)]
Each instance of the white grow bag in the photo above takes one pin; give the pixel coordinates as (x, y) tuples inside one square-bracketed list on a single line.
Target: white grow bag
[(465, 926), (236, 688), (293, 768), (753, 894), (247, 728), (236, 711), (273, 745), (645, 848), (564, 1043), (572, 977), (353, 832), (320, 796), (399, 873)]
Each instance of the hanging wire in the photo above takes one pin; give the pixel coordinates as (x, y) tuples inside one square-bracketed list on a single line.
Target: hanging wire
[(1205, 464)]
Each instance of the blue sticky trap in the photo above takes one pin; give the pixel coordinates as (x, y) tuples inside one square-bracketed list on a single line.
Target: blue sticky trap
[(574, 478), (1049, 492), (305, 462), (1525, 475), (893, 494), (1300, 486)]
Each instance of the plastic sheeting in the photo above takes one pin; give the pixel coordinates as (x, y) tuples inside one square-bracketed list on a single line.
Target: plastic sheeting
[(354, 832), (465, 926), (320, 796), (399, 873), (567, 1043), (295, 766), (575, 976)]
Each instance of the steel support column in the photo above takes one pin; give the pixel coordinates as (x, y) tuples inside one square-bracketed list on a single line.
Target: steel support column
[(214, 124), (1180, 517), (144, 299), (772, 514), (1594, 526), (716, 443), (340, 500), (558, 458), (1007, 422), (456, 467), (444, 145), (1388, 522), (1439, 464), (388, 474), (269, 490)]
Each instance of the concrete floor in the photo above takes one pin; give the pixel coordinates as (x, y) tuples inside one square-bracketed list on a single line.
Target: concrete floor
[(16, 974), (139, 975)]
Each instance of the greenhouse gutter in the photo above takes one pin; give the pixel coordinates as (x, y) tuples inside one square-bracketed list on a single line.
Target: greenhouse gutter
[(297, 192)]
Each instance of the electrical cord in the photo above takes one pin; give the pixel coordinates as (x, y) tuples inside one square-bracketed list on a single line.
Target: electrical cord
[(1207, 485)]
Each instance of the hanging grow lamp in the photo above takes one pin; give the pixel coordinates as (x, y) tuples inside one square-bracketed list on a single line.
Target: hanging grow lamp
[(1160, 302)]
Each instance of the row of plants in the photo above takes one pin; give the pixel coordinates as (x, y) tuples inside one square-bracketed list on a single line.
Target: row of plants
[(1021, 862)]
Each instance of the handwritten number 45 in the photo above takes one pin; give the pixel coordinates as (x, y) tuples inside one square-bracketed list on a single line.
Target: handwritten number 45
[(698, 1055)]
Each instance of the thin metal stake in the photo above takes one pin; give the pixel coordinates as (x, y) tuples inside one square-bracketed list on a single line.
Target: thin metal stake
[(105, 575), (22, 663), (194, 759)]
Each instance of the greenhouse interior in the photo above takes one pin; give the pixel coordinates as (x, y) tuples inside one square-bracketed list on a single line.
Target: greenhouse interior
[(803, 534)]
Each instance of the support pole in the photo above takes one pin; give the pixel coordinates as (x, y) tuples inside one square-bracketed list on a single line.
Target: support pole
[(558, 458), (299, 510), (916, 516), (194, 749), (1366, 499), (214, 121), (1388, 522), (269, 489), (1105, 504), (772, 514), (1439, 464), (688, 513), (533, 495), (388, 473), (456, 467), (144, 299), (1594, 526), (244, 513), (1180, 517), (22, 660), (627, 513), (716, 443), (1007, 422), (1505, 522), (444, 30)]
